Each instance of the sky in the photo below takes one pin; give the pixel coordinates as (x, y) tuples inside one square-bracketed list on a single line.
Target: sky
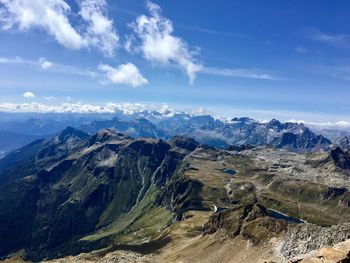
[(259, 58)]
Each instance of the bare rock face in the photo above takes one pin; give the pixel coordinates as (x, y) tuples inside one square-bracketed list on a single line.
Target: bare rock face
[(251, 221), (340, 158), (304, 238), (343, 143), (339, 253)]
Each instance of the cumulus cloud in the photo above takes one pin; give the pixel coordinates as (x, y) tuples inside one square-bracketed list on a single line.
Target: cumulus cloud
[(53, 17), (153, 38), (100, 31), (44, 63), (127, 74), (28, 95)]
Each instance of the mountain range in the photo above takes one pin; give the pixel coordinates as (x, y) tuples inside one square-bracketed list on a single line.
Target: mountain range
[(151, 124), (165, 201)]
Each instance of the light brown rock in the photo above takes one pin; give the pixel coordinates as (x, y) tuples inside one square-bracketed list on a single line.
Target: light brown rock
[(339, 253)]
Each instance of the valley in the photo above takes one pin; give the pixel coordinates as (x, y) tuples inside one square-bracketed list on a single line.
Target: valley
[(113, 195)]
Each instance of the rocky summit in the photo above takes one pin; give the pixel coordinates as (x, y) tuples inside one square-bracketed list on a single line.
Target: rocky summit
[(108, 197)]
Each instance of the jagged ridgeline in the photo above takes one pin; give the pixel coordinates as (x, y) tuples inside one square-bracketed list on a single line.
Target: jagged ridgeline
[(78, 193), (151, 124)]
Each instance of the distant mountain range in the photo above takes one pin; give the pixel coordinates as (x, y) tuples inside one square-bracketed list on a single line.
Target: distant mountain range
[(152, 124), (214, 132)]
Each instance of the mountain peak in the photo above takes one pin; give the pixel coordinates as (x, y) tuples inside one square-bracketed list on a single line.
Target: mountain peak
[(70, 132), (242, 119), (343, 143), (340, 158), (184, 142), (105, 135), (275, 122)]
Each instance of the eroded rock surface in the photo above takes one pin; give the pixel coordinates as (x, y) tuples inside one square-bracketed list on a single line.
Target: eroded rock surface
[(304, 238)]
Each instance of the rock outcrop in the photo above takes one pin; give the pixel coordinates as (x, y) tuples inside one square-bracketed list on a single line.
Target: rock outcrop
[(339, 253), (252, 221), (304, 238)]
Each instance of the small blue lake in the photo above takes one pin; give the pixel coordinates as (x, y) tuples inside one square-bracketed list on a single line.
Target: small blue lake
[(229, 171), (281, 216)]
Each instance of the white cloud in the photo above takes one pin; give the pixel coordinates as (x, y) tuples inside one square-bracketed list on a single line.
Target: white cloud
[(327, 124), (127, 108), (338, 40), (212, 32), (154, 39), (127, 74), (44, 63), (239, 73), (28, 95), (16, 60), (100, 32), (52, 16)]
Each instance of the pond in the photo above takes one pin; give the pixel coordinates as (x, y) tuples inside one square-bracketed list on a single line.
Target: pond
[(229, 171), (278, 215)]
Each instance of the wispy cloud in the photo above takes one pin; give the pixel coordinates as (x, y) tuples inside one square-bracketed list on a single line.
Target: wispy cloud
[(337, 40), (44, 64), (240, 73), (125, 74), (211, 32), (341, 72), (300, 50), (49, 98), (16, 60)]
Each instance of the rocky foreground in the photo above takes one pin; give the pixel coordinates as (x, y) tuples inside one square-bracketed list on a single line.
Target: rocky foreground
[(339, 253)]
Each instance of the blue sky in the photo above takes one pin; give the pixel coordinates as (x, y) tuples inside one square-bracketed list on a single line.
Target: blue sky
[(284, 59)]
